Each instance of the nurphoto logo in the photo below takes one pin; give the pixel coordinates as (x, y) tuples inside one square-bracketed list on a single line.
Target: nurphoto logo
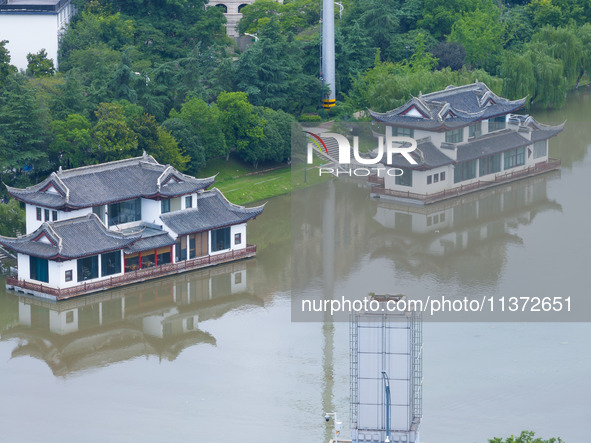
[(357, 166)]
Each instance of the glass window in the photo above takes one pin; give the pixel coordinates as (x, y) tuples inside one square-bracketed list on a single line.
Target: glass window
[(132, 262), (181, 248), (514, 158), (429, 179), (88, 268), (465, 171), (39, 214), (54, 215), (435, 178), (163, 255), (490, 164), (403, 132), (165, 206), (497, 123), (110, 263), (405, 179), (540, 149), (125, 212), (39, 269), (220, 239), (192, 252), (454, 136), (148, 259), (189, 201), (237, 238), (46, 214), (442, 176), (69, 275), (475, 130)]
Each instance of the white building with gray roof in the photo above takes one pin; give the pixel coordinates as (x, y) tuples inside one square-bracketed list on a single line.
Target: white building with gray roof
[(467, 139), (32, 25), (108, 225)]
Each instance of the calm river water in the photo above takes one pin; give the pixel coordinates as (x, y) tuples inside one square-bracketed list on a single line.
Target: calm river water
[(214, 356)]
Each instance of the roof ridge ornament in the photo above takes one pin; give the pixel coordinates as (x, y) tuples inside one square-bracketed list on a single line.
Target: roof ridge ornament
[(62, 184), (55, 235)]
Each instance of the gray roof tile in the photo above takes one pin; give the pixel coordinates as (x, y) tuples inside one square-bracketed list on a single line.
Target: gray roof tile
[(73, 238), (454, 107), (213, 211), (431, 158), (491, 144), (110, 182)]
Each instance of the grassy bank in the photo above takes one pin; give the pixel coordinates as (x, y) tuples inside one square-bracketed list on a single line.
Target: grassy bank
[(242, 184)]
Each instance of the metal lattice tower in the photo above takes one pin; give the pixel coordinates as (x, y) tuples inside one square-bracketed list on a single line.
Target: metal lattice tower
[(386, 374)]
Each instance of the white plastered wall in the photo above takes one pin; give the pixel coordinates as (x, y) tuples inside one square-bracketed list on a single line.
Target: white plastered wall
[(29, 33)]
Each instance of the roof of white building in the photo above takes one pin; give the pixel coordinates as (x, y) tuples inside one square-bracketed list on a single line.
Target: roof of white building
[(428, 156), (68, 239), (213, 211), (109, 183), (453, 107)]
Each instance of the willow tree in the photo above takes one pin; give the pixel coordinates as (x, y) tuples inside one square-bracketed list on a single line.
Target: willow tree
[(565, 45), (518, 75), (536, 74)]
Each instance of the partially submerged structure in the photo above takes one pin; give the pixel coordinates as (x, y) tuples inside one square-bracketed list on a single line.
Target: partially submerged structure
[(102, 226), (467, 139), (386, 373)]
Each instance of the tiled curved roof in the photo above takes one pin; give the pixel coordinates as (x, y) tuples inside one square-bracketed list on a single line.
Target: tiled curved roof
[(454, 107), (213, 211), (68, 239), (108, 183)]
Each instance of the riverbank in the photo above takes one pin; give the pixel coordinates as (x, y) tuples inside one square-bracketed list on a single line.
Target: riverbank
[(242, 184)]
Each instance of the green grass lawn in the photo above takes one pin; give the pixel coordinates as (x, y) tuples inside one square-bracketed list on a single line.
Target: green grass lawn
[(243, 184)]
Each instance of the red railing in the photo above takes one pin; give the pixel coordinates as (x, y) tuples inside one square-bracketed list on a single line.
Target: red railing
[(464, 189), (134, 276)]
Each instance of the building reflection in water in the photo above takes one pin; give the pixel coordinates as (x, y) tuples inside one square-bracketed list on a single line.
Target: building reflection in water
[(384, 246), (159, 318), (446, 237)]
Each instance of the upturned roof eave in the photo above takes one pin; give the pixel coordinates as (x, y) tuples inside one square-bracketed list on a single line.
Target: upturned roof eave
[(68, 206), (382, 116)]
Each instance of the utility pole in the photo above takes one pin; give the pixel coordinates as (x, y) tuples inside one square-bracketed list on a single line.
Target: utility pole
[(328, 57)]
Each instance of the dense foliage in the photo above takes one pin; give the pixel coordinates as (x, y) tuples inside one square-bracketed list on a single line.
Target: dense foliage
[(525, 437), (161, 76)]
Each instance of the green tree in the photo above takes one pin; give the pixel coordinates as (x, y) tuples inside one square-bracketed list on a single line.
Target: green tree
[(38, 65), (154, 139), (70, 97), (544, 12), (450, 55), (293, 16), (123, 78), (189, 142), (439, 17), (525, 437), (481, 33), (205, 122), (270, 72), (422, 60), (23, 128), (241, 125), (71, 142), (112, 138), (5, 67)]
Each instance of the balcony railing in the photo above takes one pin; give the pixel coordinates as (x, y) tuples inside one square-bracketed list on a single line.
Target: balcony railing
[(134, 276), (465, 189)]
